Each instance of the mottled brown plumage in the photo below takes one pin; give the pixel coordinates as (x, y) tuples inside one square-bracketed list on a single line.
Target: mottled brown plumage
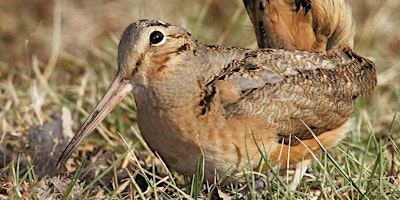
[(310, 25), (225, 102)]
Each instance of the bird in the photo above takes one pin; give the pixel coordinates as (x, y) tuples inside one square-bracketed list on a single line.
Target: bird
[(232, 106), (308, 25)]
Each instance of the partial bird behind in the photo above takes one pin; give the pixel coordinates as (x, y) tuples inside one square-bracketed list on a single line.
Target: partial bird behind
[(309, 25)]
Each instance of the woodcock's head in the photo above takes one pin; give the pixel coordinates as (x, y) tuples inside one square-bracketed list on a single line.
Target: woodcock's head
[(147, 48)]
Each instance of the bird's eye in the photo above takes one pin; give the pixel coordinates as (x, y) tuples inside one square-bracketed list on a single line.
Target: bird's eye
[(157, 38)]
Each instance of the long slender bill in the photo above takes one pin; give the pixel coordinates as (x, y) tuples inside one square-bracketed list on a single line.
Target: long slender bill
[(119, 89)]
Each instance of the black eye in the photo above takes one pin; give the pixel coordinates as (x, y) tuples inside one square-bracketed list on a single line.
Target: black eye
[(156, 37)]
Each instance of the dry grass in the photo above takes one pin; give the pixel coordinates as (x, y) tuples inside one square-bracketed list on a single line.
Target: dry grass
[(63, 54)]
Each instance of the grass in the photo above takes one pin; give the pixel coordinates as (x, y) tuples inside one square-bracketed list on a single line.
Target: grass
[(64, 55)]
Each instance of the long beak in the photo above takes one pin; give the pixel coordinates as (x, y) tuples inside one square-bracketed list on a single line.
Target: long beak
[(119, 89)]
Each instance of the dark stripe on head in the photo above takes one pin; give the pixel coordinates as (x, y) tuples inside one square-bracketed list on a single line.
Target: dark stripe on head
[(149, 22)]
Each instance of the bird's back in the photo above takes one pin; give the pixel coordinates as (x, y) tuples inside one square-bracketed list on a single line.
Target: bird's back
[(284, 90)]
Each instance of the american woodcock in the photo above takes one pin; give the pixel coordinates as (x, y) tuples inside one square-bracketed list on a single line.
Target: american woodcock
[(229, 103), (309, 25)]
